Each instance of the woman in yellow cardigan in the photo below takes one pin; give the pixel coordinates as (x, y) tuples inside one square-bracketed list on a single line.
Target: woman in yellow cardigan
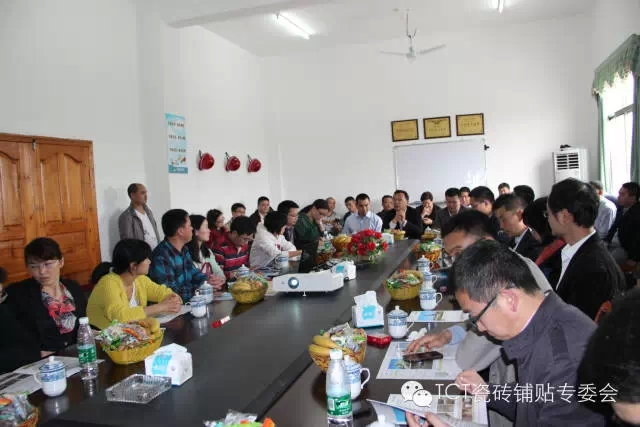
[(123, 289)]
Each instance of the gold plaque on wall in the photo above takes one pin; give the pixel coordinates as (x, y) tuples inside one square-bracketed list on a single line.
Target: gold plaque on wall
[(470, 124), (437, 127), (404, 130)]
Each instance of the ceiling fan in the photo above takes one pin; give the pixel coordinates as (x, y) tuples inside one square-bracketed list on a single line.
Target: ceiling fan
[(412, 54)]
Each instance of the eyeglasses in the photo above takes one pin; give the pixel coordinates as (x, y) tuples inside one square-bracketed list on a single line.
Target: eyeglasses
[(473, 320), (37, 266)]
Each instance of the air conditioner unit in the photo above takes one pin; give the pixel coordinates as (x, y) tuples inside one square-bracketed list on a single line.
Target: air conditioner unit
[(570, 163)]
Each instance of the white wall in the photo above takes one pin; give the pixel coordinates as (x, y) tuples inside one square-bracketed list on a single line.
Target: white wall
[(218, 88), (614, 22), (330, 112), (69, 69)]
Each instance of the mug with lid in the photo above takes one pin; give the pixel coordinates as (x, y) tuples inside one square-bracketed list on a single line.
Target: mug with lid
[(52, 375), (198, 305), (397, 323), (207, 291)]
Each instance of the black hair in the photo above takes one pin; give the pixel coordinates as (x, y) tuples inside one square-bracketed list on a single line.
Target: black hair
[(263, 199), (132, 188), (387, 196), (349, 199), (504, 185), (482, 194), (510, 202), (452, 192), (125, 252), (212, 217), (236, 206), (465, 190), (597, 185), (172, 220), (274, 221), (470, 222), (406, 195), (42, 249), (486, 267), (578, 198), (426, 196), (362, 196), (3, 275), (525, 192), (632, 188), (611, 356), (534, 217), (320, 204), (199, 252), (243, 226), (286, 205)]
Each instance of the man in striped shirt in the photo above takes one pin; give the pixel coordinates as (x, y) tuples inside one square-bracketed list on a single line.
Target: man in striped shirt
[(234, 252)]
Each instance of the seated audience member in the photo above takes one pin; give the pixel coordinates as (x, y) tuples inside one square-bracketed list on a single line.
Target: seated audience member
[(363, 219), (550, 259), (454, 206), (482, 200), (47, 305), (504, 188), (237, 209), (589, 275), (387, 205), (290, 209), (171, 262), (542, 335), (428, 211), (350, 204), (403, 216), (123, 288), (625, 234), (331, 222), (264, 207), (270, 241), (526, 193), (612, 360), (309, 226), (607, 211), (234, 252), (218, 234), (202, 256), (19, 347), (509, 208), (465, 198), (137, 221)]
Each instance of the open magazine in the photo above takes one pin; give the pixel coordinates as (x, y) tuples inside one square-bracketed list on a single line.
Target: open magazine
[(395, 368)]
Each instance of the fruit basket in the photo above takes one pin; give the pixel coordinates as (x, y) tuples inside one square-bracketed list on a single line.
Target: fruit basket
[(429, 235), (131, 342), (352, 342), (429, 250), (249, 290), (341, 242), (404, 285)]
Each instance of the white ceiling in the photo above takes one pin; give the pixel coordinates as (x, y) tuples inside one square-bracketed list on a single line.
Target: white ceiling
[(251, 24)]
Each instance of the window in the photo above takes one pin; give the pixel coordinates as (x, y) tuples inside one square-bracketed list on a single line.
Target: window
[(617, 102)]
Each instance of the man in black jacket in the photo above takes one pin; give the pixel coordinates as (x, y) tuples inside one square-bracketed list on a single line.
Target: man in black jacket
[(482, 200), (509, 208), (589, 275), (624, 236), (403, 216)]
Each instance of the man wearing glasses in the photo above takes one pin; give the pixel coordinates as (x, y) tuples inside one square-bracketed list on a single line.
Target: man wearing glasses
[(544, 336)]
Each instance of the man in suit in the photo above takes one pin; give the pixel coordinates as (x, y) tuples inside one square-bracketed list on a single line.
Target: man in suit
[(403, 216), (482, 200), (509, 208), (589, 275), (454, 206), (624, 236)]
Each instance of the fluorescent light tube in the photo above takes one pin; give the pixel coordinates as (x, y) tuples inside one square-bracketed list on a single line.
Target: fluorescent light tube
[(500, 6), (291, 26)]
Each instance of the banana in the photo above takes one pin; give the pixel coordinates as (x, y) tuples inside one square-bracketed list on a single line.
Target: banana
[(319, 350), (323, 341)]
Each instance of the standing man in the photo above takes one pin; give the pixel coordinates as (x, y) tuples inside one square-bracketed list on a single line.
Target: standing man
[(454, 206), (403, 216), (364, 219), (264, 207), (137, 221), (607, 211), (509, 209), (625, 233), (290, 209), (350, 204), (237, 209)]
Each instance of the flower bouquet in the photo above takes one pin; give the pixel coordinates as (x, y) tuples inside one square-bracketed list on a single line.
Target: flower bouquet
[(367, 245)]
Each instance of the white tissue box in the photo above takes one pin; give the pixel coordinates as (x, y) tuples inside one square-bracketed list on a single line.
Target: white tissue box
[(388, 237), (367, 316), (347, 268), (170, 361)]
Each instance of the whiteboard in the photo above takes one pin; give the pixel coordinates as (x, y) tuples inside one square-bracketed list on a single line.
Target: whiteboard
[(436, 166)]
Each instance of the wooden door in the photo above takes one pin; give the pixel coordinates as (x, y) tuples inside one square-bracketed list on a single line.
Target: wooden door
[(66, 204)]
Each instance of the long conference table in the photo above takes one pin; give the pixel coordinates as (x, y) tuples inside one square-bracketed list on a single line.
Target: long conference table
[(257, 362)]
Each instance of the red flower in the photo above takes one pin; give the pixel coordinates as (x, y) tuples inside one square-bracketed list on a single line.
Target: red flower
[(385, 246), (371, 246), (361, 252), (360, 247), (369, 233), (378, 235)]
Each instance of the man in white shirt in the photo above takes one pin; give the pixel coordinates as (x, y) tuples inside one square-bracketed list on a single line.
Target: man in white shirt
[(606, 211), (364, 219), (137, 221), (590, 276), (270, 241)]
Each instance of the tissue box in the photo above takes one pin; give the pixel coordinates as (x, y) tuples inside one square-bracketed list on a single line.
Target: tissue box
[(388, 237), (367, 316), (347, 268), (170, 361)]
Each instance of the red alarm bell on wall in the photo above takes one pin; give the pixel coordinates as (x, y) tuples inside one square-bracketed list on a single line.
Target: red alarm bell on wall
[(205, 161), (254, 165), (232, 163)]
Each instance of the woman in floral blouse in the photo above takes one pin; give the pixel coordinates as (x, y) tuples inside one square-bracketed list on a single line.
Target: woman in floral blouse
[(46, 305)]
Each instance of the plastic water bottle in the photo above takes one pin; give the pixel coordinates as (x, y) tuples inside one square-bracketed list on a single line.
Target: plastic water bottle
[(339, 411), (87, 350)]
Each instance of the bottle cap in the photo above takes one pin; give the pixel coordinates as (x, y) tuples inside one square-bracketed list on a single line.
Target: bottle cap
[(335, 354), (84, 320)]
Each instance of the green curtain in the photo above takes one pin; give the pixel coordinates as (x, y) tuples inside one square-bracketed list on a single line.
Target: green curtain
[(635, 141), (602, 156)]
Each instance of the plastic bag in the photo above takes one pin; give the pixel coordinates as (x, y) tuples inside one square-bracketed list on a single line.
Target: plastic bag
[(238, 419), (14, 409)]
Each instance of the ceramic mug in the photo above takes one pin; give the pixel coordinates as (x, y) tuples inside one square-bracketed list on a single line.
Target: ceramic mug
[(282, 261), (429, 299), (52, 376), (354, 372), (198, 306), (397, 323), (207, 291)]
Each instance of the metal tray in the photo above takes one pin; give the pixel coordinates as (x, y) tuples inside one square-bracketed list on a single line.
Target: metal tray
[(138, 389)]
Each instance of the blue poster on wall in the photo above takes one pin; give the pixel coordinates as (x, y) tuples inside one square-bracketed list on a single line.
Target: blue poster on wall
[(177, 139)]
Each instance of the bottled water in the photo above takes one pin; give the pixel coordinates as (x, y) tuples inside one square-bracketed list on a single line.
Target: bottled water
[(339, 412), (87, 350)]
